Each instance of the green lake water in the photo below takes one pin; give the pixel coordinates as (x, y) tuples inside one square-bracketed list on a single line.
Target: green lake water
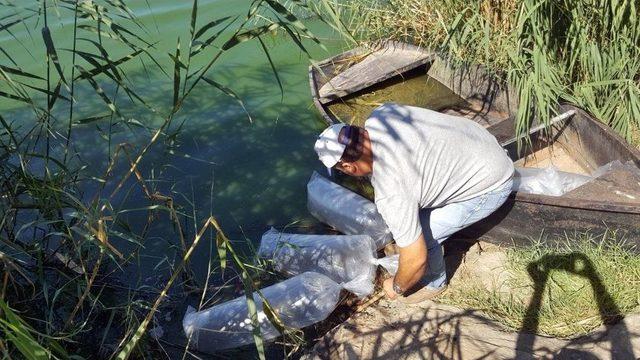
[(249, 174)]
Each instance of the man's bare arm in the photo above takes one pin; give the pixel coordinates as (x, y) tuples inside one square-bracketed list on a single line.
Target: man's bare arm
[(411, 267)]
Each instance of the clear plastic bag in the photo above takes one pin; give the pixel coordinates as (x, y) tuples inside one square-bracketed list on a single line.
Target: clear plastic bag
[(547, 181), (347, 259), (629, 166), (345, 210), (299, 301), (390, 263)]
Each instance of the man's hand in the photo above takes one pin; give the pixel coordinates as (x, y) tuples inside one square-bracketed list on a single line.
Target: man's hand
[(412, 264), (411, 267), (387, 285)]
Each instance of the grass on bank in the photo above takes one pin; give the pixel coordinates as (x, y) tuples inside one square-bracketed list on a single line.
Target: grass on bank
[(583, 51), (582, 284)]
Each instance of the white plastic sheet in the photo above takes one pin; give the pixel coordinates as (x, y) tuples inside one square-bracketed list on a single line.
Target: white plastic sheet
[(299, 301), (547, 181), (347, 259), (345, 210)]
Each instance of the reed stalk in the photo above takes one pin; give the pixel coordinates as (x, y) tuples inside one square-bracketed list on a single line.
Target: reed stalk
[(582, 51), (59, 266)]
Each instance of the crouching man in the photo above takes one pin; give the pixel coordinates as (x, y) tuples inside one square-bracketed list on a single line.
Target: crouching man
[(433, 174)]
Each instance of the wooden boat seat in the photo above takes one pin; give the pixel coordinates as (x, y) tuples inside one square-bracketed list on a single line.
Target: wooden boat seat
[(378, 66)]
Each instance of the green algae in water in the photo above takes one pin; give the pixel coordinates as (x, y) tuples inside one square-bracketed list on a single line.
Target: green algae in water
[(422, 91)]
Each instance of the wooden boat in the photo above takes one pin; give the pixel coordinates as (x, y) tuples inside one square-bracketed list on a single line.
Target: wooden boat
[(348, 86)]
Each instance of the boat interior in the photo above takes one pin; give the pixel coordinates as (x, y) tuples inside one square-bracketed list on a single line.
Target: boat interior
[(568, 145), (576, 145)]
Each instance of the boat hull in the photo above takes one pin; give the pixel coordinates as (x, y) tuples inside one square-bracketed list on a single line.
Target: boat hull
[(527, 218), (521, 223)]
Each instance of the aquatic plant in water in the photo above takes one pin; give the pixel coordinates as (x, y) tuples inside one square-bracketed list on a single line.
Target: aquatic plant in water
[(66, 240)]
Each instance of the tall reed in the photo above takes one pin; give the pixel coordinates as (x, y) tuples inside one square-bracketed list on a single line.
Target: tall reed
[(583, 51), (59, 239)]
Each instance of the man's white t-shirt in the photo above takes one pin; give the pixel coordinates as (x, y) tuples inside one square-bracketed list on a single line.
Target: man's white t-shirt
[(426, 159)]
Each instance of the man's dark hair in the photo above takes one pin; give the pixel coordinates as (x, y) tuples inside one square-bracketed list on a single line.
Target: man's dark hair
[(352, 137)]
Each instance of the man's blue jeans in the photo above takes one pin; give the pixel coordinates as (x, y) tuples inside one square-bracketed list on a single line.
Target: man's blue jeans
[(439, 223)]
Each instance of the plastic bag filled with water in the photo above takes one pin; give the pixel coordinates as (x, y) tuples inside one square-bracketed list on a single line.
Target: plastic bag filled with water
[(345, 210), (347, 259), (547, 181), (299, 302)]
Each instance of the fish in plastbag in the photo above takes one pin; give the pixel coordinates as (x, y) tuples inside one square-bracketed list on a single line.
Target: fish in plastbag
[(345, 210), (347, 259), (299, 301)]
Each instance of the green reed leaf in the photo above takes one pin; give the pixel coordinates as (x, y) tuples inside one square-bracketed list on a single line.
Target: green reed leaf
[(249, 35), (176, 77), (98, 89), (293, 20), (273, 67), (52, 53), (211, 25), (19, 72), (198, 46)]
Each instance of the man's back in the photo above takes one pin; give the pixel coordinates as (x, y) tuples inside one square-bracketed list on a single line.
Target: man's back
[(432, 158), (433, 175)]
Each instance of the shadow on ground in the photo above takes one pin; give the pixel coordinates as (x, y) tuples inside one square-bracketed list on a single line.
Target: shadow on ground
[(578, 264), (395, 331)]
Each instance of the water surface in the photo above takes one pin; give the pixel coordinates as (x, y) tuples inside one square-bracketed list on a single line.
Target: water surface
[(248, 170), (417, 90)]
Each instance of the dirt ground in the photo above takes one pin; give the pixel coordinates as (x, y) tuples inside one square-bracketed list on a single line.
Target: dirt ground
[(392, 330)]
